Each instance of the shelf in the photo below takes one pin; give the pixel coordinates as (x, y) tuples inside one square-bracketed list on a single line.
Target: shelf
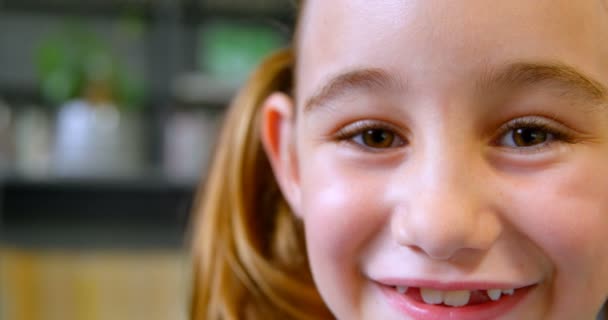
[(20, 95), (200, 89), (188, 10), (191, 88), (80, 8), (76, 212), (142, 212)]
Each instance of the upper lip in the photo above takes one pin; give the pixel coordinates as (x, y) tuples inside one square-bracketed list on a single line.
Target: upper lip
[(451, 285)]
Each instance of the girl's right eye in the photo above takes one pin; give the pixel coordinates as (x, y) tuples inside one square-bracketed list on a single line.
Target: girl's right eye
[(371, 135)]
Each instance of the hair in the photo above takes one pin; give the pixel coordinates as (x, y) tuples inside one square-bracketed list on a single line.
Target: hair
[(248, 249)]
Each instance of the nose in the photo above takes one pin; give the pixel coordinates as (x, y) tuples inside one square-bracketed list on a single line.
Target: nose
[(445, 210)]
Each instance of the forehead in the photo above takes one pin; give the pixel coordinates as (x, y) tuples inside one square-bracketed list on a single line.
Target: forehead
[(447, 40)]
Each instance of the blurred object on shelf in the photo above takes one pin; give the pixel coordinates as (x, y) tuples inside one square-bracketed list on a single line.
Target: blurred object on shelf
[(189, 139), (74, 285), (96, 140), (33, 141), (76, 62), (203, 89), (227, 51), (98, 132), (6, 138)]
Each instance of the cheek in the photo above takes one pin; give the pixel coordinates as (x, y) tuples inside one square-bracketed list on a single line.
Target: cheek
[(343, 205), (342, 208), (570, 211), (564, 211)]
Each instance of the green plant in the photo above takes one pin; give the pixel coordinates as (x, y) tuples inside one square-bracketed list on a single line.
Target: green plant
[(75, 59)]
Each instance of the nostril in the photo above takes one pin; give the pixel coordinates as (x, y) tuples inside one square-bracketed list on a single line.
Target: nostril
[(417, 249)]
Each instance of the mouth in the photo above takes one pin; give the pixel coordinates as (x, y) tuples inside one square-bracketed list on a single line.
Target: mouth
[(456, 303)]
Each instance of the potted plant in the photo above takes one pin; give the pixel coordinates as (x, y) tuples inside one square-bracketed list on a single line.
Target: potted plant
[(97, 128)]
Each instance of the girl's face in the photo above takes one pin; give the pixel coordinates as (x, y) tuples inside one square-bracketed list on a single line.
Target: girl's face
[(454, 150)]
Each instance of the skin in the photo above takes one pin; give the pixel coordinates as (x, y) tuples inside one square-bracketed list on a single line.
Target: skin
[(453, 199)]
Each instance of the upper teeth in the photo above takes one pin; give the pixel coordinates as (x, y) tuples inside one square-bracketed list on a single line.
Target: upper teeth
[(455, 298), (494, 294), (431, 296)]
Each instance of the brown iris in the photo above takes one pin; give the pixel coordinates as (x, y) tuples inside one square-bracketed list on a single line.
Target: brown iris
[(526, 137), (378, 138)]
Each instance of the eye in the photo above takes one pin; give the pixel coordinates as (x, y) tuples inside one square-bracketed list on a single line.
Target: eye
[(371, 135), (376, 138), (526, 137), (530, 133)]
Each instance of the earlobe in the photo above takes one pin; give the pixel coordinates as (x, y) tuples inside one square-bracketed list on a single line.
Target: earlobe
[(277, 135)]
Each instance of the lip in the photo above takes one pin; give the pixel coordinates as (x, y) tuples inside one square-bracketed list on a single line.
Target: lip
[(422, 311)]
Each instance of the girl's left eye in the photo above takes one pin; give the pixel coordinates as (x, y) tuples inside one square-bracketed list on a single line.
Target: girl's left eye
[(526, 137), (528, 134)]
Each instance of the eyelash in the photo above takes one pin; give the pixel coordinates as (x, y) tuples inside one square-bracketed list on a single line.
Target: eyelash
[(348, 133)]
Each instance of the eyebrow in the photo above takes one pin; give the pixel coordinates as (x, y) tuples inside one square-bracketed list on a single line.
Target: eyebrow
[(518, 74), (567, 79), (364, 79)]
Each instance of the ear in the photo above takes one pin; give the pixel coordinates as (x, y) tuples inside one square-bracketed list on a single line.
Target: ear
[(277, 134)]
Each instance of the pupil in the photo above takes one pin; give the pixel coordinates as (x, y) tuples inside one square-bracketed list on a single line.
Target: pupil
[(529, 136), (378, 138)]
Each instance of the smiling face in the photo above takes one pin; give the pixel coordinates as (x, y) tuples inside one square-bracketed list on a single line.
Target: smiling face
[(450, 148)]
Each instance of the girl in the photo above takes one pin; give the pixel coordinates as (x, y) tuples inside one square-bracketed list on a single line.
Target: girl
[(415, 159)]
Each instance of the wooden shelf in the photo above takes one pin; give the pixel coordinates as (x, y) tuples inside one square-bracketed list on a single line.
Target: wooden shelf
[(84, 213)]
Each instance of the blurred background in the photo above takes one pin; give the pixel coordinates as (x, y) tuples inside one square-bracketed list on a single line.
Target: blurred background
[(109, 110)]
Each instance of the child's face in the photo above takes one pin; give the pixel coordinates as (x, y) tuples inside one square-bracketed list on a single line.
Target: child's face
[(452, 145)]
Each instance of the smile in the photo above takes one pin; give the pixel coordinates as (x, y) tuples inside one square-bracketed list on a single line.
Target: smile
[(457, 298), (455, 303)]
